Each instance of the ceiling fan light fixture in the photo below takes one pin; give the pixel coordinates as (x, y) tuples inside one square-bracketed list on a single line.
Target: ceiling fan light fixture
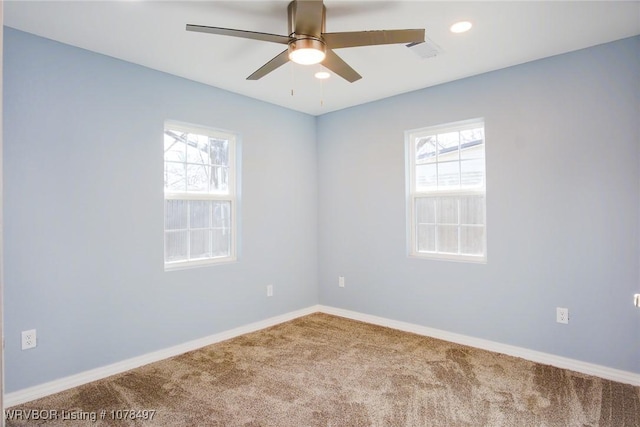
[(322, 75), (307, 51)]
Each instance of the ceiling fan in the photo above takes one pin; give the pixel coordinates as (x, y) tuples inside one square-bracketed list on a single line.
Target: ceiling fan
[(308, 43)]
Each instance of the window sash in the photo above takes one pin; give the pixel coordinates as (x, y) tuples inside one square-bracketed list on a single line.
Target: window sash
[(453, 222), (208, 230), (211, 166)]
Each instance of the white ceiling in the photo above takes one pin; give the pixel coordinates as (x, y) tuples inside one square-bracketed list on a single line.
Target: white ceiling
[(152, 33)]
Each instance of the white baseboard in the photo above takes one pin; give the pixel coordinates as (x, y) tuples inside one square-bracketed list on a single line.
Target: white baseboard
[(56, 386), (531, 355)]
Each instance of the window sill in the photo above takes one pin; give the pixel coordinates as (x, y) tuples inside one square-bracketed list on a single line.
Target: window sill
[(449, 257), (186, 265)]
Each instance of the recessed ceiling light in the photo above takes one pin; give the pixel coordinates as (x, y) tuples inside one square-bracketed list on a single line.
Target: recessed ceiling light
[(322, 75), (461, 27)]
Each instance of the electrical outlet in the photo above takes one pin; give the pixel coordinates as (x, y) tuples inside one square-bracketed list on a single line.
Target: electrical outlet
[(562, 315), (29, 339), (636, 300), (341, 281), (269, 290)]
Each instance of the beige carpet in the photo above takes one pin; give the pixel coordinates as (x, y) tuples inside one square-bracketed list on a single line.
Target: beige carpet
[(323, 370)]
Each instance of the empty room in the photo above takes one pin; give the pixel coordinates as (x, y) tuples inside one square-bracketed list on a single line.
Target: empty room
[(308, 213)]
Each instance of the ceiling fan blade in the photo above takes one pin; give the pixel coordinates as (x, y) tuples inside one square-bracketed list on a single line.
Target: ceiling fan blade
[(370, 38), (341, 68), (277, 61), (307, 17), (266, 37)]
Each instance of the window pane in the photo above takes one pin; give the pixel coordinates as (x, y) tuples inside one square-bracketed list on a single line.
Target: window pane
[(448, 239), (425, 149), (449, 175), (199, 214), (472, 172), (221, 242), (198, 178), (472, 210), (472, 152), (426, 177), (448, 146), (198, 149), (472, 240), (200, 244), (222, 214), (447, 210), (174, 147), (175, 176), (426, 210), (175, 246), (219, 153), (175, 214), (426, 238), (472, 143), (219, 179)]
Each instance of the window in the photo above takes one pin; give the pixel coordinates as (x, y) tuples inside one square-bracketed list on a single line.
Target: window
[(199, 196), (447, 192)]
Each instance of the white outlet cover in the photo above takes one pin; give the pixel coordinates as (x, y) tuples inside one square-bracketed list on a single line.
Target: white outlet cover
[(29, 339), (562, 315)]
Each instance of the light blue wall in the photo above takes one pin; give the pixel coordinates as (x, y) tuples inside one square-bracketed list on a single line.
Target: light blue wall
[(563, 198), (321, 198), (83, 210)]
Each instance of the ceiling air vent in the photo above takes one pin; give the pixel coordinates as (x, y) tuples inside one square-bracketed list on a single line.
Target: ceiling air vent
[(426, 49)]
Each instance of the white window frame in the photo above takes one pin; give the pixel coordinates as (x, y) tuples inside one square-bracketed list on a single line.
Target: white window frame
[(413, 194), (231, 197)]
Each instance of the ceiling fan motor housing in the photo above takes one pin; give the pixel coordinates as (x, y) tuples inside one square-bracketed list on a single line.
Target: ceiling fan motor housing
[(304, 42)]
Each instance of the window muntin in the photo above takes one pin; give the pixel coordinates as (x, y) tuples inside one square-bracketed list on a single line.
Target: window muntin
[(200, 195), (447, 192)]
